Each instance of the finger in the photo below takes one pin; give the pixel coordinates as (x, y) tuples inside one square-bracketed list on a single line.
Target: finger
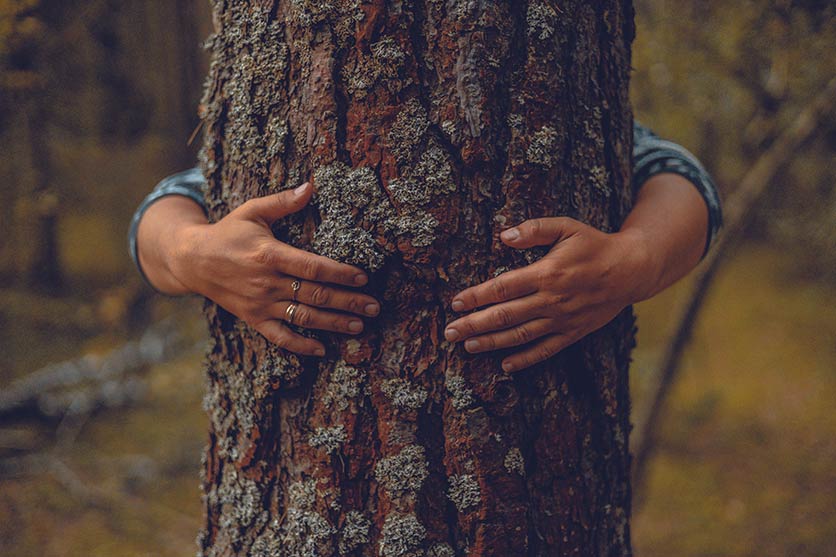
[(493, 318), (506, 286), (539, 351), (314, 267), (272, 207), (515, 336), (320, 295), (282, 336), (313, 318), (540, 232)]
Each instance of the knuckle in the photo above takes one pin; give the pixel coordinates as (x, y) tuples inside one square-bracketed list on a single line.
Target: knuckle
[(303, 317), (499, 289), (251, 311), (522, 334), (534, 226), (467, 326), (320, 295), (264, 256), (503, 317), (543, 352), (262, 284), (312, 268), (548, 274), (355, 305), (247, 206), (279, 338)]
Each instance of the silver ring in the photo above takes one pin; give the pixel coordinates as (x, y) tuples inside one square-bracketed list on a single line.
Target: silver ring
[(296, 285)]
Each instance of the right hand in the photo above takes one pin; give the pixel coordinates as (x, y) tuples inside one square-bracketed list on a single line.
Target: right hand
[(239, 264)]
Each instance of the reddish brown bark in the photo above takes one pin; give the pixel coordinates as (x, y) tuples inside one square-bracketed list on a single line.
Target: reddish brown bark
[(429, 127)]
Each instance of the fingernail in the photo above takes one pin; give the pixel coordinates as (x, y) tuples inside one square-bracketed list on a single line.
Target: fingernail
[(507, 366), (471, 344), (451, 335), (372, 309), (360, 279), (510, 234), (301, 189), (458, 305), (319, 352), (355, 326)]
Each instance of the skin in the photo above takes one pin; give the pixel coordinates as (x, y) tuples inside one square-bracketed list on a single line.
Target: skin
[(584, 281)]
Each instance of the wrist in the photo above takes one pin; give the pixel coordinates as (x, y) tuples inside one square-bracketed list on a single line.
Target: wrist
[(182, 255), (641, 264)]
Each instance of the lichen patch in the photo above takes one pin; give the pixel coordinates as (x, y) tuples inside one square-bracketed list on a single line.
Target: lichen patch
[(402, 536), (328, 439), (354, 533), (541, 149), (514, 462), (464, 491), (346, 383), (403, 393), (404, 473), (461, 395)]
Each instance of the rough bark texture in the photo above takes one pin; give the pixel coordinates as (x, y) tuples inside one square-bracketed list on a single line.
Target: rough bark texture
[(429, 127)]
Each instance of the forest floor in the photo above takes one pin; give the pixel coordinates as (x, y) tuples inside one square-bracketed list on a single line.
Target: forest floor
[(744, 467)]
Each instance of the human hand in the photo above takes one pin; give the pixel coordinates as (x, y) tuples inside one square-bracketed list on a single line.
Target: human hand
[(239, 264), (580, 285)]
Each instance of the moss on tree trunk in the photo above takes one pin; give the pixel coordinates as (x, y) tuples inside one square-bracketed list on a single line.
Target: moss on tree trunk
[(428, 127)]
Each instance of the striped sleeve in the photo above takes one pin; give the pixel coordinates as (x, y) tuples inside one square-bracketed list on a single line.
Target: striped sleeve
[(653, 155), (189, 183)]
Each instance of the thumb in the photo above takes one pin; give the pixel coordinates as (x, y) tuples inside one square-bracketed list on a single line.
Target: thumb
[(271, 208), (540, 232)]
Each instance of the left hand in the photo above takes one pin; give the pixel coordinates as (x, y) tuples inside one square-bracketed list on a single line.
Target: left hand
[(580, 285)]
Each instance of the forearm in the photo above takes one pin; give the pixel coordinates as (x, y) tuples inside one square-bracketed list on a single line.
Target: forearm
[(160, 240), (667, 227)]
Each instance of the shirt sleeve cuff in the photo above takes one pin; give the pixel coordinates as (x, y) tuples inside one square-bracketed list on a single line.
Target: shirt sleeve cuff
[(189, 183)]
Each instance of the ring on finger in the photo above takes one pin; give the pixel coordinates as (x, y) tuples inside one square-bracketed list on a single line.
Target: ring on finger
[(296, 285), (291, 309)]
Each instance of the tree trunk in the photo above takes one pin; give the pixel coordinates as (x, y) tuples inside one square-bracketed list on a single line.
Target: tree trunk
[(428, 127)]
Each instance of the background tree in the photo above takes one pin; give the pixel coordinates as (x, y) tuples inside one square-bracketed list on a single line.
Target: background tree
[(428, 128)]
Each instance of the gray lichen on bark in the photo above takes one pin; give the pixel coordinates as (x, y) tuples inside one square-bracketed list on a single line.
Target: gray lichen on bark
[(404, 394), (461, 395), (464, 491), (328, 439), (354, 533), (345, 384), (402, 536), (404, 473), (514, 461)]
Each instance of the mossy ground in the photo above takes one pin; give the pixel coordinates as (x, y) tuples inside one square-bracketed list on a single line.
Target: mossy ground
[(744, 467)]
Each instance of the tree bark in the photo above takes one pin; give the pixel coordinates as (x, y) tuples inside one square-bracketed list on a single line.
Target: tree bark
[(428, 128)]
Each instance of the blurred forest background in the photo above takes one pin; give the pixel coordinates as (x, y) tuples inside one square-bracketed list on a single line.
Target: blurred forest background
[(101, 425)]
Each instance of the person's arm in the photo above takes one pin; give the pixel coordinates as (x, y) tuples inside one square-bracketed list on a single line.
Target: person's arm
[(589, 276), (653, 156), (239, 264), (176, 198)]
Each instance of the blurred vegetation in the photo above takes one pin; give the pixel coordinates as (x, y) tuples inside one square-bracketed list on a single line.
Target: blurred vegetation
[(97, 101), (724, 78)]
